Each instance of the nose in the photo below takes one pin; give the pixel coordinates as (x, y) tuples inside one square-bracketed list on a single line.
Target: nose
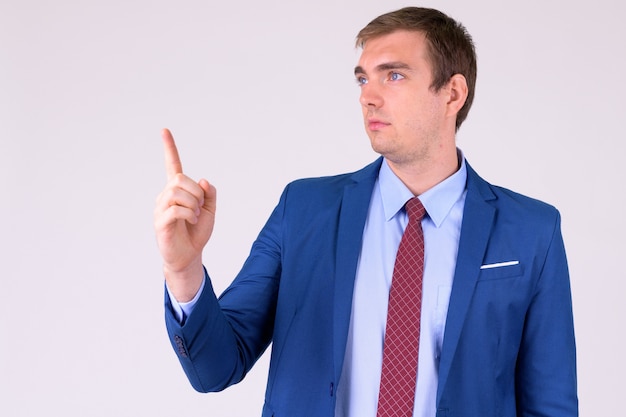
[(370, 96)]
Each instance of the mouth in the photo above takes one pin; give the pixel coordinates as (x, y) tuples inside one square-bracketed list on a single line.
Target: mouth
[(375, 124)]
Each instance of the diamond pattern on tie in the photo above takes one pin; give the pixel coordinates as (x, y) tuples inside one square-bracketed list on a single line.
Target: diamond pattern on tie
[(399, 372)]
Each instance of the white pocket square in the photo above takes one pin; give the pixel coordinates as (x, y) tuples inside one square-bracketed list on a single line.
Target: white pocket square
[(499, 265)]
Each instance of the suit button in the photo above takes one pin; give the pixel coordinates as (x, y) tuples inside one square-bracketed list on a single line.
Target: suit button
[(180, 346)]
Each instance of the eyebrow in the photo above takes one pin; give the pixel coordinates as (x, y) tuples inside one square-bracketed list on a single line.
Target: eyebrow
[(383, 67)]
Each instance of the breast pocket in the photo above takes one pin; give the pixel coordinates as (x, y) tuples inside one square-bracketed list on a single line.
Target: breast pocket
[(488, 272)]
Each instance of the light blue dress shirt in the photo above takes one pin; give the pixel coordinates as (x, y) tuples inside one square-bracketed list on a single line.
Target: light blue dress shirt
[(357, 394)]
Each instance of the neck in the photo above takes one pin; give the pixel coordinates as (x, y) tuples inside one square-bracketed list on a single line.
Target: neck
[(420, 176)]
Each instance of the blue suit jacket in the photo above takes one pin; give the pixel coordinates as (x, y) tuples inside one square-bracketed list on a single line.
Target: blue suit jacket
[(508, 346)]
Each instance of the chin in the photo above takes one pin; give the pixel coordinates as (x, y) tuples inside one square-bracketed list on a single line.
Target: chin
[(380, 146)]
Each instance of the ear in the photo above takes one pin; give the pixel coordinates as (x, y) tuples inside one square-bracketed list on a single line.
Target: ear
[(457, 94)]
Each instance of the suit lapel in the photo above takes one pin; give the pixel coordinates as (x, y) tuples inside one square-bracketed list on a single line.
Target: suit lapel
[(478, 219), (352, 216)]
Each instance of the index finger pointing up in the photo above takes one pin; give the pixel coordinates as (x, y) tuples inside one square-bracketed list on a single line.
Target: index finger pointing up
[(173, 165)]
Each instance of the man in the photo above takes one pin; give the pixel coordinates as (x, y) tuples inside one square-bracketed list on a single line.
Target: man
[(495, 331)]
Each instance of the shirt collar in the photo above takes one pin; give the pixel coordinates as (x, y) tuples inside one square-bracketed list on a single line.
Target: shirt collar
[(437, 201)]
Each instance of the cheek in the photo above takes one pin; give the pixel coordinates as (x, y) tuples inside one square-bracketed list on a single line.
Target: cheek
[(427, 111), (414, 114)]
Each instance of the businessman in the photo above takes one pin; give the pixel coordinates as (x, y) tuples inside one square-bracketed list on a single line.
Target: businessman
[(409, 288)]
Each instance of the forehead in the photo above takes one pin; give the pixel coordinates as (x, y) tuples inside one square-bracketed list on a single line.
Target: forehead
[(409, 47)]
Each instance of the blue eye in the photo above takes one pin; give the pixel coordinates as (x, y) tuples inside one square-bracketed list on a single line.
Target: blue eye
[(361, 80), (394, 76)]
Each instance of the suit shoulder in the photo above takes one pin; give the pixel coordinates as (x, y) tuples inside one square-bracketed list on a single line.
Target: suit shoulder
[(522, 200), (317, 184), (332, 184), (527, 209), (505, 198), (510, 203)]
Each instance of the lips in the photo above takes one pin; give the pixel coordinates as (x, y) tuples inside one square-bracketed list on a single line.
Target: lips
[(376, 124)]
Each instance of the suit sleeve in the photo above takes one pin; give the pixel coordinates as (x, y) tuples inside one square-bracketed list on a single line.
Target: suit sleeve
[(546, 366), (222, 338)]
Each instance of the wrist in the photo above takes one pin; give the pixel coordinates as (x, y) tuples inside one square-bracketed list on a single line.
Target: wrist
[(184, 283)]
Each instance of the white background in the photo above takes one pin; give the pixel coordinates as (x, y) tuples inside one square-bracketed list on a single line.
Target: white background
[(258, 94)]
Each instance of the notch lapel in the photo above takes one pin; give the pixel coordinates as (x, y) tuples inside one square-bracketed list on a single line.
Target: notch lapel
[(476, 228), (352, 216)]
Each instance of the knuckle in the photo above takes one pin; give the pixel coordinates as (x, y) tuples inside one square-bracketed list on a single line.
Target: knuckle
[(178, 179)]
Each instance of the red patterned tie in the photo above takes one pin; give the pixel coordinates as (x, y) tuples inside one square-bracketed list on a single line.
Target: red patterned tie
[(397, 383)]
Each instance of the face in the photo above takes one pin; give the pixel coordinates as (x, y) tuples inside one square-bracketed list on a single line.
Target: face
[(404, 119)]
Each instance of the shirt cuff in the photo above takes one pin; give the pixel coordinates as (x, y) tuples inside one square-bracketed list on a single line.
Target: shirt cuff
[(183, 310)]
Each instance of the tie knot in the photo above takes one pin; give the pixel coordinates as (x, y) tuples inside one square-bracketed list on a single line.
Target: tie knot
[(415, 209)]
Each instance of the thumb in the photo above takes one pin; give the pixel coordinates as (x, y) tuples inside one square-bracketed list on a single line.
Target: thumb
[(210, 195)]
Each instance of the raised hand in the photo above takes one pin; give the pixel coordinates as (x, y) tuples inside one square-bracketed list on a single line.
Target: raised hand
[(183, 220)]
